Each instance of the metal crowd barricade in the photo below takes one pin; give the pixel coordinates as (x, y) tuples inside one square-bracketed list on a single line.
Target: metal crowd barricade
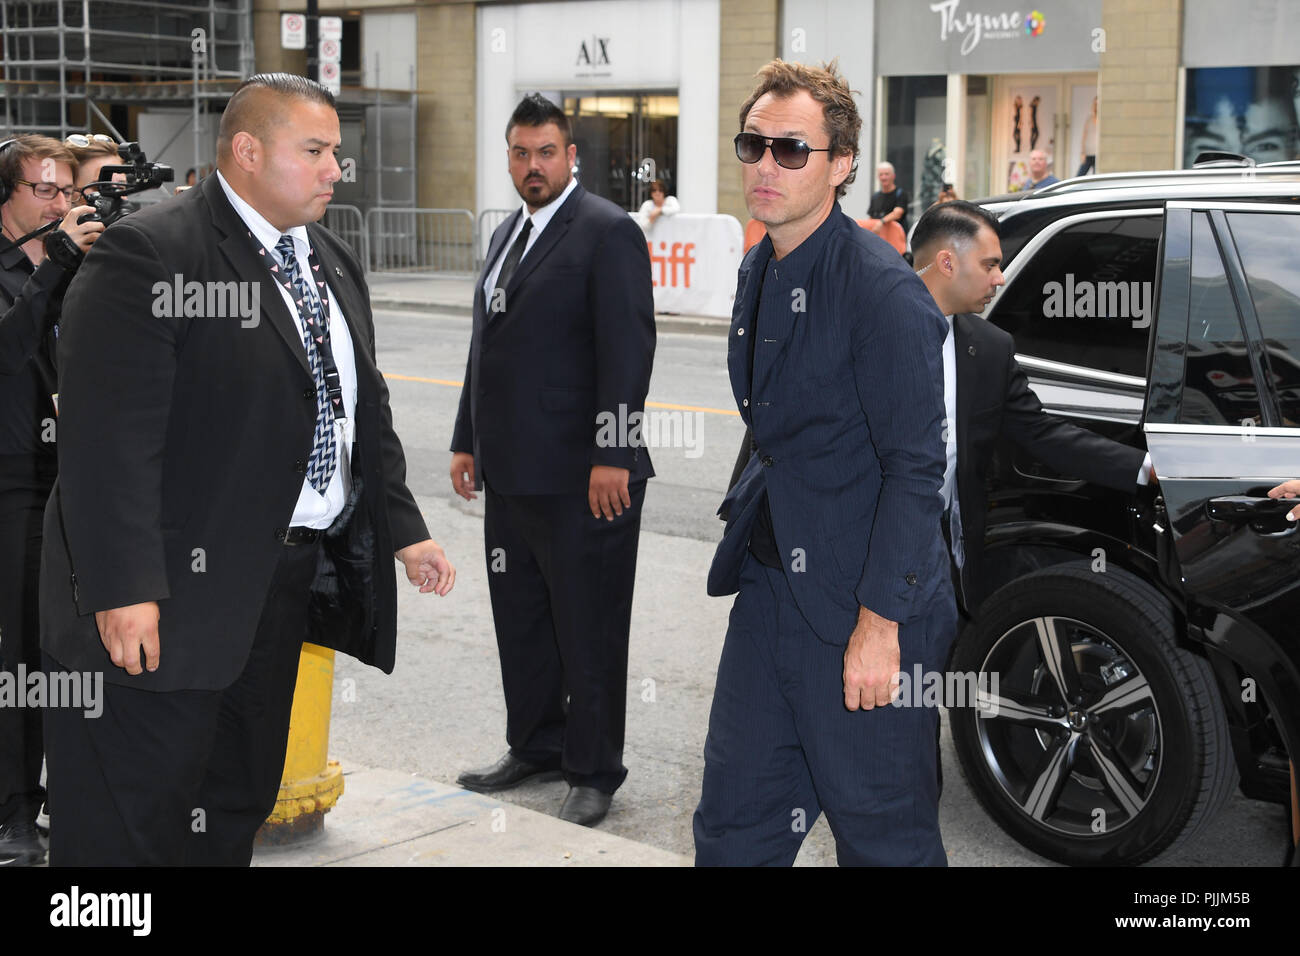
[(488, 220), (415, 241), (348, 224)]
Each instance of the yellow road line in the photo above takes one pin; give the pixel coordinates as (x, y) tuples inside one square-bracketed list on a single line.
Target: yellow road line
[(670, 405)]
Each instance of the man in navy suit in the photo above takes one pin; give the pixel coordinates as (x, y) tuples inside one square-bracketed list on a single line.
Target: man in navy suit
[(559, 366), (833, 538)]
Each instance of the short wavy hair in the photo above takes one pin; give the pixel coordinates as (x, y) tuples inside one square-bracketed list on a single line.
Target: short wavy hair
[(825, 85)]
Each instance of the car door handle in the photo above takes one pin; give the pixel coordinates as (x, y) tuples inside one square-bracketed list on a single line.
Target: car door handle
[(1240, 508)]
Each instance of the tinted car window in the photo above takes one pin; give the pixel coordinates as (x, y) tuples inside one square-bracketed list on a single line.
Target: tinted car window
[(1084, 298), (1267, 244), (1218, 383)]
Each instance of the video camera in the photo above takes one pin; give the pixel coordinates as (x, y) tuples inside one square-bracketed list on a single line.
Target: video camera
[(108, 195)]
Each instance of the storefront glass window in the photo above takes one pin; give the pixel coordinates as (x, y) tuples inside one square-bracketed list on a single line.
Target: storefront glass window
[(625, 140), (1247, 110), (915, 125)]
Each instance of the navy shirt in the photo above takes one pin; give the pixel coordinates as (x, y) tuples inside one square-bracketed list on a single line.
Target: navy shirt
[(785, 286)]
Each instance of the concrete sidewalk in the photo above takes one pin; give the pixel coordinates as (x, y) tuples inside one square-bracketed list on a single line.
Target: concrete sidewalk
[(455, 295), (388, 818)]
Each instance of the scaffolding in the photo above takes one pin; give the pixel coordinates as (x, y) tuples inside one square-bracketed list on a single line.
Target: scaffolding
[(103, 65), (72, 65)]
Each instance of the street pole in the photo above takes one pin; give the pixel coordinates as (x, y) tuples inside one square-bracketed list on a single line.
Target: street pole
[(313, 40)]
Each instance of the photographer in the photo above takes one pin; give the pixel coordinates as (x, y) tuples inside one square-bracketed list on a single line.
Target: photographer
[(93, 151), (36, 188)]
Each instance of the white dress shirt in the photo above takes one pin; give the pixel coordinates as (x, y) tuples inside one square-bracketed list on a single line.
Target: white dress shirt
[(950, 414), (313, 509), (540, 219)]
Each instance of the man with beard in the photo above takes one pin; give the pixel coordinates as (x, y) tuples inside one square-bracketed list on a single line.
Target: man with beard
[(559, 361)]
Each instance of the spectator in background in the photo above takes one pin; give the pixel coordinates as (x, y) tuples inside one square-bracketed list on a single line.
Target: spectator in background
[(946, 194), (1038, 174), (891, 202), (191, 177), (659, 204)]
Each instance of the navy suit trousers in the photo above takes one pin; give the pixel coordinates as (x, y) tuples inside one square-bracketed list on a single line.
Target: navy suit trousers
[(782, 747)]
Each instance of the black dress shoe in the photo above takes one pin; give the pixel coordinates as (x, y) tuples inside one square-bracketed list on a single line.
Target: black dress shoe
[(507, 772), (20, 845), (585, 806)]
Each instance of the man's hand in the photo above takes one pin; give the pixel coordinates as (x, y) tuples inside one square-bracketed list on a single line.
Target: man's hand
[(428, 567), (462, 475), (83, 234), (877, 225), (125, 631), (871, 662), (607, 491), (1288, 489)]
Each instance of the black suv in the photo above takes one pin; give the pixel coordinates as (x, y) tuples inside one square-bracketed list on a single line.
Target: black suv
[(1146, 647)]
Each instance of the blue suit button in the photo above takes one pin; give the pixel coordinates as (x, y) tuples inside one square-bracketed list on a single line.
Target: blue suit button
[(910, 579), (767, 461)]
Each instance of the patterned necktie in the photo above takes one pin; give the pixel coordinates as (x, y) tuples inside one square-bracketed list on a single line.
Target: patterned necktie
[(324, 458)]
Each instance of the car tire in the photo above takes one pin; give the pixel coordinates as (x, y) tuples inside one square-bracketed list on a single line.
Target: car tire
[(1131, 759)]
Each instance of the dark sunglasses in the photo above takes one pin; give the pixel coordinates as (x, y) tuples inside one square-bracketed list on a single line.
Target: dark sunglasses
[(788, 153)]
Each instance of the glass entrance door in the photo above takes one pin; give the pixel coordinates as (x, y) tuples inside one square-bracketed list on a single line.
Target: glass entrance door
[(625, 140)]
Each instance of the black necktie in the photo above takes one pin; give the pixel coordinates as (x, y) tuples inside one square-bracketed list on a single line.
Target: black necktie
[(514, 255)]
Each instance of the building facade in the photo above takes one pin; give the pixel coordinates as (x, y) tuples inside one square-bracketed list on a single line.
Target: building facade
[(957, 91)]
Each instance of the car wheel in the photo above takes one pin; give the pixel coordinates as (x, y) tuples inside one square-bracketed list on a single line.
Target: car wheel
[(1097, 740)]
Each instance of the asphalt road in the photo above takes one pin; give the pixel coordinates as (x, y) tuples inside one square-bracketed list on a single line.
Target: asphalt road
[(442, 710)]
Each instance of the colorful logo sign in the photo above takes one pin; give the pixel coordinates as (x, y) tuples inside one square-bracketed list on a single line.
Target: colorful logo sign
[(1034, 24)]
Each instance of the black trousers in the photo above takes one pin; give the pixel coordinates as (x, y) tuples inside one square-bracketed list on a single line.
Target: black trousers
[(25, 483), (182, 777), (561, 588)]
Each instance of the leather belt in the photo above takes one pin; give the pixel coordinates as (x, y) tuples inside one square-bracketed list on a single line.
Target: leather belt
[(298, 535)]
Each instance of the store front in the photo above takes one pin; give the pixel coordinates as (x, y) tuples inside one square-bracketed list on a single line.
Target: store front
[(1241, 87), (625, 142), (969, 88), (638, 81)]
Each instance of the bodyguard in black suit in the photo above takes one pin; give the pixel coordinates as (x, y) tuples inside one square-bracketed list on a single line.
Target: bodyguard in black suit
[(229, 486), (559, 365), (958, 256)]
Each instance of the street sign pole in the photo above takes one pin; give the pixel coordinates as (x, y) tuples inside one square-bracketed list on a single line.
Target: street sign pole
[(313, 63)]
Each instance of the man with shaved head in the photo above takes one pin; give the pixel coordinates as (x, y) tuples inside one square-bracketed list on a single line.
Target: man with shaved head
[(230, 486)]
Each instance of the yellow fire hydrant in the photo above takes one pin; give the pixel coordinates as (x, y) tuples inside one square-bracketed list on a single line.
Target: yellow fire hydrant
[(312, 783)]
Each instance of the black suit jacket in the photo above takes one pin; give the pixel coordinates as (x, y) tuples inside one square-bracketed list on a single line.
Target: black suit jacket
[(572, 338), (994, 401), (183, 443)]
